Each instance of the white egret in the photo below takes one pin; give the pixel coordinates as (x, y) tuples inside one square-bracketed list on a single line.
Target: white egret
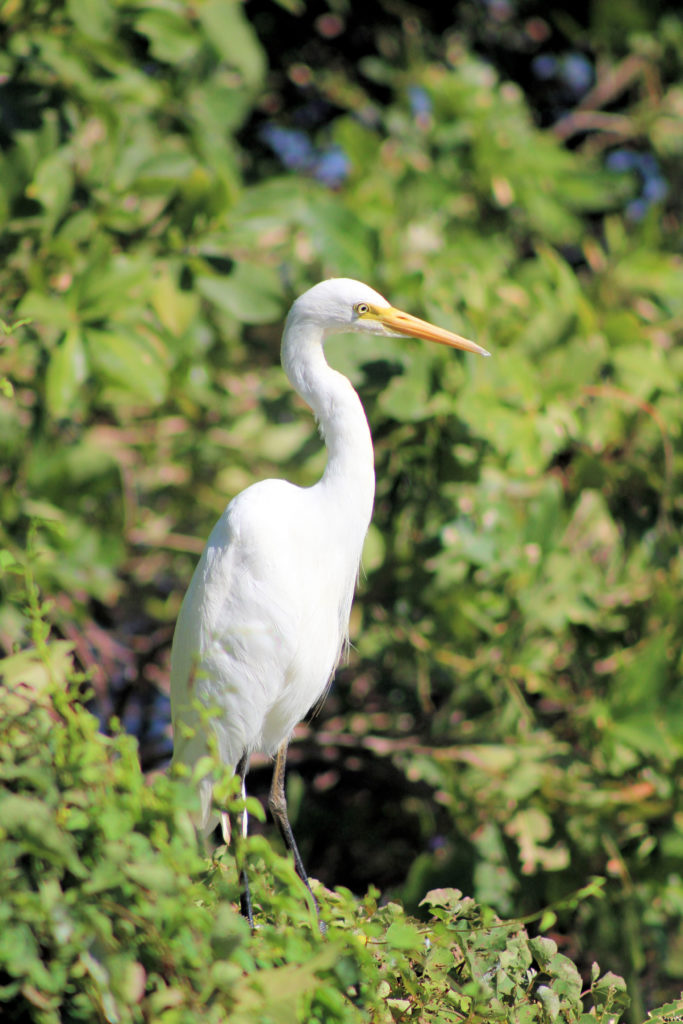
[(265, 618)]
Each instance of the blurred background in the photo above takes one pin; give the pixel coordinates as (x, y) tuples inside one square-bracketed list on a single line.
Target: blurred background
[(510, 720)]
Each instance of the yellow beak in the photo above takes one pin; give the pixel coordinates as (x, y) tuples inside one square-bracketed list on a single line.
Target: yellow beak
[(403, 323)]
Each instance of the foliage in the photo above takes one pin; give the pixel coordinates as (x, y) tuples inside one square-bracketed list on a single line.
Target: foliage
[(110, 911), (512, 717)]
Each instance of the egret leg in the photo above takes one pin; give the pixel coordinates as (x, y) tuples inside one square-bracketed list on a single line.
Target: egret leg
[(277, 805), (245, 895)]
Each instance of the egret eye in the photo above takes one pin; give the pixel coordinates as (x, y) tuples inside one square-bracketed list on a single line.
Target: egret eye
[(361, 308)]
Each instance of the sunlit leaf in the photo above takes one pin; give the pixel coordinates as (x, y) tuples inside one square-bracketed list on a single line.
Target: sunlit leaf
[(66, 373), (130, 362), (53, 184), (234, 38), (168, 33), (250, 293)]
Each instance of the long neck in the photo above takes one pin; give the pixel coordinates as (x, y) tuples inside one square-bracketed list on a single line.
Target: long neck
[(349, 476)]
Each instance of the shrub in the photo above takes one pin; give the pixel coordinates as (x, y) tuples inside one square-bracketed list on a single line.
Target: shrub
[(110, 910)]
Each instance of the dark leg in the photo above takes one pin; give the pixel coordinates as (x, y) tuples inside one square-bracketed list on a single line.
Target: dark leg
[(277, 805), (245, 896)]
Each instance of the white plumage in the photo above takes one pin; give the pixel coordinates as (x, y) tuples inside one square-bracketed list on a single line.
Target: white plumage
[(265, 619)]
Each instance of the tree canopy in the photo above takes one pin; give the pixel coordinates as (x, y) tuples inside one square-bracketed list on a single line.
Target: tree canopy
[(510, 721)]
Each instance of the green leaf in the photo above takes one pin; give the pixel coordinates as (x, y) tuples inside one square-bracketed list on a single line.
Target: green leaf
[(66, 373), (53, 185), (44, 308), (274, 993), (550, 1000), (340, 239), (251, 293), (129, 361), (170, 33), (33, 823), (8, 561), (152, 875), (18, 949), (176, 308), (405, 935), (543, 949), (610, 994), (31, 672), (108, 286), (230, 33), (164, 171), (669, 1013), (96, 19), (406, 398), (548, 920)]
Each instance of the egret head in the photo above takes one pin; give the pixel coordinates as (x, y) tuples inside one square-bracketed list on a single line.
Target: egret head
[(338, 304), (342, 304)]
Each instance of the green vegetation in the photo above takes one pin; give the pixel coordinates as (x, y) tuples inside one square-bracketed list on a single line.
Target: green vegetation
[(511, 719), (110, 912)]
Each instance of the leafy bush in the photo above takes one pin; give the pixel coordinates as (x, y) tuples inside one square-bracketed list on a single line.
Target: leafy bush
[(110, 911)]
